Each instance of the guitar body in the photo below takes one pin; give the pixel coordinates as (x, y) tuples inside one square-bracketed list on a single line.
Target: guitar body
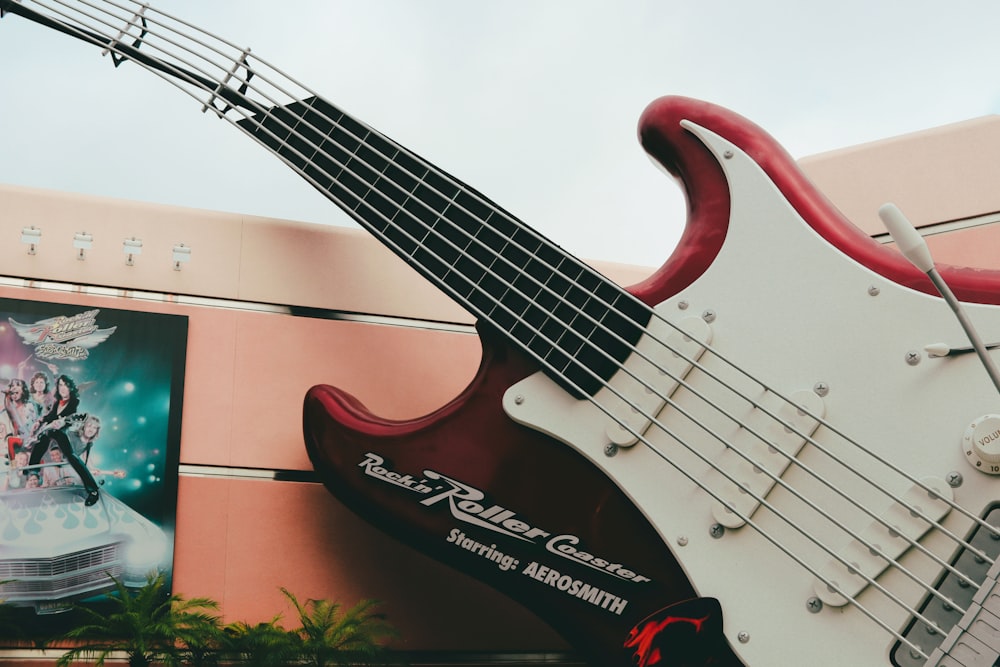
[(383, 471), (514, 482)]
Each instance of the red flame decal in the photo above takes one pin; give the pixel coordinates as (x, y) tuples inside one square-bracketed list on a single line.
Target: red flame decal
[(679, 634), (642, 638)]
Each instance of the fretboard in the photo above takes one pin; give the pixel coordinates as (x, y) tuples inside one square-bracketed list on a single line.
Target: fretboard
[(577, 323)]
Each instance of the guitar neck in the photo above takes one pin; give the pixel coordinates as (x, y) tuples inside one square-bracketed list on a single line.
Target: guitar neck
[(545, 300), (574, 321)]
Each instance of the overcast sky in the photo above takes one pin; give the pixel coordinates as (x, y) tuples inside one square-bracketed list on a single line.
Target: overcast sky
[(533, 102)]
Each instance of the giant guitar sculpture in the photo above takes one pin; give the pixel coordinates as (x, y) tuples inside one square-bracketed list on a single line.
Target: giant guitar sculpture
[(745, 459)]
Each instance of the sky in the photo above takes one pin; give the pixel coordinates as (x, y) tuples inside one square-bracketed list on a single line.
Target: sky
[(532, 102)]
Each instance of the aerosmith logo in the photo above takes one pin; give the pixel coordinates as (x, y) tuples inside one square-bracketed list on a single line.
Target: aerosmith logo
[(63, 337)]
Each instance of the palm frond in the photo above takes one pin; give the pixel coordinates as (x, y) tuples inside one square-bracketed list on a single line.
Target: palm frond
[(332, 635)]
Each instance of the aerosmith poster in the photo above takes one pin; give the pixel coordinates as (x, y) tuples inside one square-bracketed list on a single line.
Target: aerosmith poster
[(90, 433)]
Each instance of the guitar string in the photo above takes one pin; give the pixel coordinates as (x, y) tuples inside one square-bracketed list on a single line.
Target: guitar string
[(210, 91)]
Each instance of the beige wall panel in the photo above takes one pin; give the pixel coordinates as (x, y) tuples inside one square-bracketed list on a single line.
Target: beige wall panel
[(209, 385), (946, 173), (232, 256), (214, 236), (978, 247), (202, 539), (336, 267), (397, 372)]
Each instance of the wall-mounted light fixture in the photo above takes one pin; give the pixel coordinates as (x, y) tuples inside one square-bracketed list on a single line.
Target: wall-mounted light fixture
[(83, 242), (31, 236), (182, 253), (131, 247)]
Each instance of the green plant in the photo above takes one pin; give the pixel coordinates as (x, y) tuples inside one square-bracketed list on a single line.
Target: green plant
[(331, 636), (147, 624), (200, 639), (264, 644)]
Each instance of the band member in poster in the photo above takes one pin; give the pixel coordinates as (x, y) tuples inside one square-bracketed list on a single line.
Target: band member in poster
[(41, 392), (7, 436), (20, 409), (52, 430), (15, 473), (82, 437), (55, 474), (64, 403)]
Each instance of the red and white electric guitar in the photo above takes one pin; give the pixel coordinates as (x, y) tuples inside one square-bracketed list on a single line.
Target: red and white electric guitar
[(746, 459)]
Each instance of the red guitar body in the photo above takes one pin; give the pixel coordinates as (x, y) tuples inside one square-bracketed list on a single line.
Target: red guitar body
[(544, 482), (468, 486)]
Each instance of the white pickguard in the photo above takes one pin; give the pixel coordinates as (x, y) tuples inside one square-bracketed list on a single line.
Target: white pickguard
[(793, 311)]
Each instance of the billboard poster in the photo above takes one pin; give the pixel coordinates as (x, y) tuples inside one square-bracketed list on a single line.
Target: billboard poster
[(90, 432)]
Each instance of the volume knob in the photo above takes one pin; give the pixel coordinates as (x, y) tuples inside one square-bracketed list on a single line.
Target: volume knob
[(981, 444)]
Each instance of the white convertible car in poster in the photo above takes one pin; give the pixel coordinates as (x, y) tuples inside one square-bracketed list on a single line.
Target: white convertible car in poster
[(56, 550)]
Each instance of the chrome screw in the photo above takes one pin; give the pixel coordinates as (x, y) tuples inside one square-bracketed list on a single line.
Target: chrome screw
[(814, 605), (610, 449)]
